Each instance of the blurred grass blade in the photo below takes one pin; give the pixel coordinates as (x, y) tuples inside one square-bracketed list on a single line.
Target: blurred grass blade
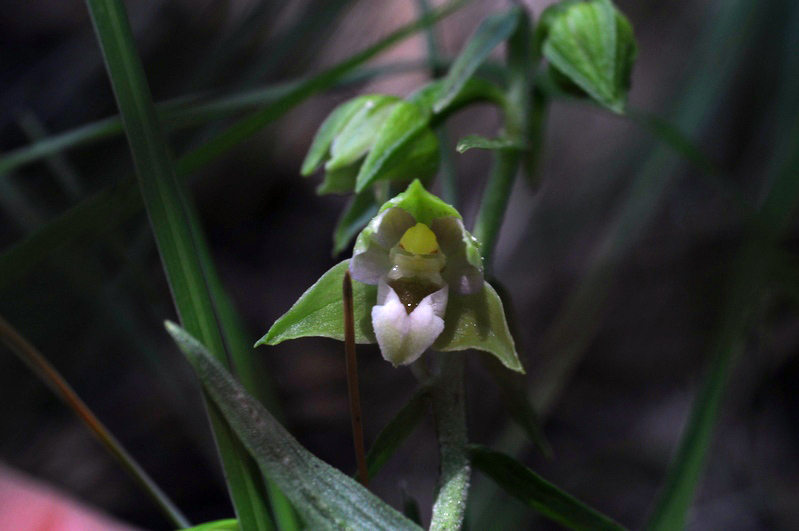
[(397, 430), (90, 218), (674, 138), (489, 34), (250, 125), (182, 113), (326, 497), (51, 377), (94, 216), (513, 387), (176, 230), (533, 490)]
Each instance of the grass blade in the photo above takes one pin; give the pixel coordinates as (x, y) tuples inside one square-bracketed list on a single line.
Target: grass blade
[(176, 230), (395, 432), (325, 496), (533, 490), (50, 376)]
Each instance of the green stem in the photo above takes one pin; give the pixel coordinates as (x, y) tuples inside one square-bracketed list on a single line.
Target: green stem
[(450, 414), (506, 161)]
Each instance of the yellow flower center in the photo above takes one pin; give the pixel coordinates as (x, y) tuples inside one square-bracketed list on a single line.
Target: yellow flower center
[(419, 239)]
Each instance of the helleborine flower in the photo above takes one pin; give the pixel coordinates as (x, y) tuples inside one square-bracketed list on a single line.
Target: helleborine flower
[(418, 284), (374, 137)]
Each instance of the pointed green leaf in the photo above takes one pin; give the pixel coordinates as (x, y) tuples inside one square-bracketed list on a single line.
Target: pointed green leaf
[(544, 497), (324, 496), (395, 432), (333, 124), (489, 34), (480, 142), (403, 125), (357, 136), (416, 159), (592, 44), (361, 208), (319, 312), (478, 321)]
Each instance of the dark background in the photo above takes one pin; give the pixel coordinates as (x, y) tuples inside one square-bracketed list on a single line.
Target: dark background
[(618, 265)]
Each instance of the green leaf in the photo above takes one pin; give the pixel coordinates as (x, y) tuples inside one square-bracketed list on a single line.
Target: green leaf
[(360, 209), (416, 159), (401, 127), (533, 490), (480, 142), (325, 497), (358, 134), (478, 321), (333, 124), (177, 234), (230, 524), (592, 44), (395, 432), (319, 312), (492, 31)]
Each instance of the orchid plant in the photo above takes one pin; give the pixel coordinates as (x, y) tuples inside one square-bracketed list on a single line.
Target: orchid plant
[(421, 281)]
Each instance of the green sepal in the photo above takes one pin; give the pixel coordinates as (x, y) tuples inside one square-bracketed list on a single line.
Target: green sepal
[(592, 44), (478, 322), (319, 311), (357, 136), (421, 204), (401, 127), (320, 147)]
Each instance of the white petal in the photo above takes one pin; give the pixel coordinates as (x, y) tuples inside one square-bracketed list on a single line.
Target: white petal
[(391, 225), (404, 337)]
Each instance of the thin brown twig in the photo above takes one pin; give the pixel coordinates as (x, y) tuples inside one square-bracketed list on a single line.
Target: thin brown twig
[(39, 364), (352, 380)]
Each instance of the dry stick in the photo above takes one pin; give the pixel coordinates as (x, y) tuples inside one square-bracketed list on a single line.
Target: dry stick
[(352, 380), (39, 364)]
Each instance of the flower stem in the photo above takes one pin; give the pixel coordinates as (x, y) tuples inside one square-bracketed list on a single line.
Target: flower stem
[(352, 381), (450, 414), (506, 161)]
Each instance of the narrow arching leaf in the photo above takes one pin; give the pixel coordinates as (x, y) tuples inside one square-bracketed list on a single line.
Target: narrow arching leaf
[(480, 142), (489, 34), (326, 497), (478, 321), (397, 430), (533, 490), (401, 126), (176, 231), (318, 312), (592, 44)]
